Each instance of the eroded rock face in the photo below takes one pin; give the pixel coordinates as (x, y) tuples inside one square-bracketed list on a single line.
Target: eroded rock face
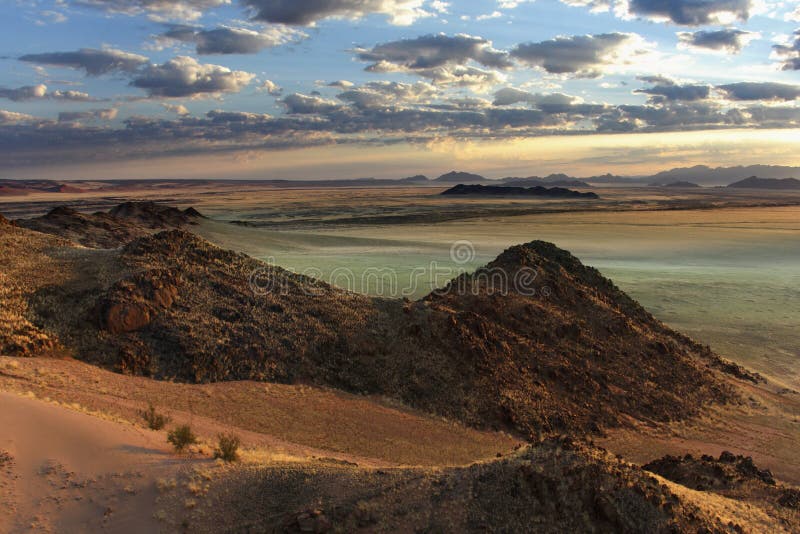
[(132, 303)]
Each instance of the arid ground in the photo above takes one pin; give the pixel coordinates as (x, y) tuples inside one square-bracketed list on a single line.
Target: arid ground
[(721, 267)]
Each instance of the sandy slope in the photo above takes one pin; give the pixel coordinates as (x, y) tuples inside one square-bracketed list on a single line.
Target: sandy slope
[(72, 472)]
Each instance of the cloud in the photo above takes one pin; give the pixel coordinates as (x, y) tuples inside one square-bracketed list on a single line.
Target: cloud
[(93, 62), (443, 59), (178, 109), (583, 56), (92, 115), (225, 40), (306, 13), (39, 92), (387, 94), (692, 12), (271, 88), (159, 10), (313, 121), (789, 53), (729, 40), (28, 92), (183, 76), (510, 95), (11, 117), (297, 103), (666, 90), (764, 91)]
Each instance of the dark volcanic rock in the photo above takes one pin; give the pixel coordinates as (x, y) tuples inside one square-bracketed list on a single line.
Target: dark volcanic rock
[(501, 190)]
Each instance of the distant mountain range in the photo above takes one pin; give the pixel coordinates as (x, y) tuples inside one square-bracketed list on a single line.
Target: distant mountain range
[(701, 175), (704, 175)]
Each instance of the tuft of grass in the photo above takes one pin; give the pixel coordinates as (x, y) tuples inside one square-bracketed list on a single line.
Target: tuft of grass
[(228, 447), (154, 420), (181, 437)]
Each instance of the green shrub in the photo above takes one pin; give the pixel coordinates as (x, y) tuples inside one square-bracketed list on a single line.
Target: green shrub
[(154, 420), (228, 449), (181, 437)]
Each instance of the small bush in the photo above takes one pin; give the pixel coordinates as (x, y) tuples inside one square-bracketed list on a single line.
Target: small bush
[(228, 449), (154, 420), (181, 437)]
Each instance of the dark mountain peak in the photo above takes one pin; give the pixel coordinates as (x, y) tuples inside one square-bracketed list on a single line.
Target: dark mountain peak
[(461, 177)]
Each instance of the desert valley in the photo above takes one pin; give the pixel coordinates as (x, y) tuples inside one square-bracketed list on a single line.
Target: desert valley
[(510, 387)]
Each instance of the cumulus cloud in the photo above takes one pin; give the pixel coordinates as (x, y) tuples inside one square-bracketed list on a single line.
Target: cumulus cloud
[(12, 117), (443, 59), (508, 96), (386, 94), (764, 91), (297, 103), (666, 90), (156, 9), (91, 115), (40, 92), (184, 76), (789, 53), (94, 62), (312, 120), (28, 92), (177, 109), (294, 12), (729, 40), (692, 12), (271, 88), (225, 40), (583, 56)]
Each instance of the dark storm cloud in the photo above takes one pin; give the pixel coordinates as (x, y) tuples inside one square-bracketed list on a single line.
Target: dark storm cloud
[(790, 54), (581, 55), (226, 40), (666, 90), (691, 12), (93, 62), (183, 76), (307, 12), (729, 40), (765, 91)]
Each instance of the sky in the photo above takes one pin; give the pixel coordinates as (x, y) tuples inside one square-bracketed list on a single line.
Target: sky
[(318, 89)]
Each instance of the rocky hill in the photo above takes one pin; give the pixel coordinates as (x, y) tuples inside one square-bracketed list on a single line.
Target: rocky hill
[(535, 342), (111, 229), (556, 486), (755, 182), (511, 191)]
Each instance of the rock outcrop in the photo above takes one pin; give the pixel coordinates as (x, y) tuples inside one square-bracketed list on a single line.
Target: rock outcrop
[(112, 229), (535, 342)]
